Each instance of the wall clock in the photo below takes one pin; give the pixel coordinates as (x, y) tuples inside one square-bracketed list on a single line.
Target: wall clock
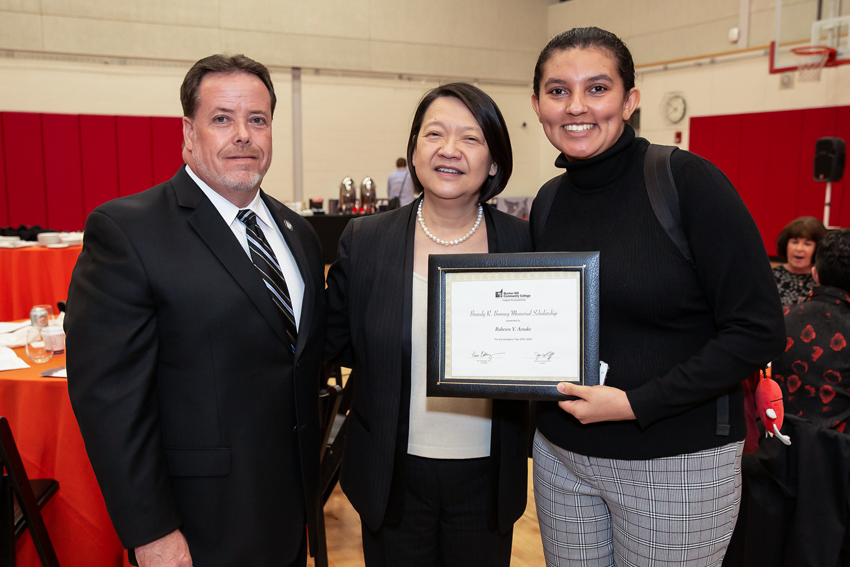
[(674, 108)]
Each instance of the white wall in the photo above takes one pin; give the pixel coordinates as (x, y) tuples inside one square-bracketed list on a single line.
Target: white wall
[(737, 87), (668, 30), (356, 110), (654, 30), (32, 85), (359, 127), (497, 39), (129, 57), (720, 78), (351, 126)]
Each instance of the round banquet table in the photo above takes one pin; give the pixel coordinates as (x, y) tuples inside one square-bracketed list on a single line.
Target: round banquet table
[(48, 438), (34, 275)]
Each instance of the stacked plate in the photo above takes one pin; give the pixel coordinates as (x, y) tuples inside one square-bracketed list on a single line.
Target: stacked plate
[(48, 238), (71, 238), (60, 239)]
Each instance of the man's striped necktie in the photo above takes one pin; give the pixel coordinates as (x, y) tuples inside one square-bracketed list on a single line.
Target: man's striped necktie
[(270, 272)]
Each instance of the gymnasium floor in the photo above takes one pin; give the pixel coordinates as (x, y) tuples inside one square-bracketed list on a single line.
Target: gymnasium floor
[(343, 532)]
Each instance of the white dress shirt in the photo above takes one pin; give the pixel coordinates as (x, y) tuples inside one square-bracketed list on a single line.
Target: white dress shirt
[(228, 212)]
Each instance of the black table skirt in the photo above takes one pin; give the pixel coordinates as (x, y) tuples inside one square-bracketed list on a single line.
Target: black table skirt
[(329, 228)]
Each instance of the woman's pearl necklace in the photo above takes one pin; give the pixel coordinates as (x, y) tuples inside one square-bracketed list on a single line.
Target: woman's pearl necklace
[(448, 242)]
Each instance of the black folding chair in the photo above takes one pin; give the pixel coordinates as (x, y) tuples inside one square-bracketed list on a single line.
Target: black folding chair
[(21, 501), (333, 431), (333, 403)]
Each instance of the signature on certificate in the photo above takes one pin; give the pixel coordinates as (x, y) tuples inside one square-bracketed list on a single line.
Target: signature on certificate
[(543, 357), (484, 357)]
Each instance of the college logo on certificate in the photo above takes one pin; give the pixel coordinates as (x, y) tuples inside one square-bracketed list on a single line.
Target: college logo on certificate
[(512, 325)]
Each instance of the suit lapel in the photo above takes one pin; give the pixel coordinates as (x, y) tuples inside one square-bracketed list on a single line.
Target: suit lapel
[(492, 236), (209, 225), (407, 306), (279, 213)]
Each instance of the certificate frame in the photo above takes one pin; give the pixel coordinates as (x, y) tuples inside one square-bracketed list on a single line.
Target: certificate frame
[(517, 270)]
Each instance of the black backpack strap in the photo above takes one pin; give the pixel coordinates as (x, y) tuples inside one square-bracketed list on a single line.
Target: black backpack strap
[(723, 426), (664, 197), (542, 204)]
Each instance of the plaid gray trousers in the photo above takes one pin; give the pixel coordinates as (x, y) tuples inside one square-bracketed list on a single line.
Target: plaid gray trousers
[(595, 512)]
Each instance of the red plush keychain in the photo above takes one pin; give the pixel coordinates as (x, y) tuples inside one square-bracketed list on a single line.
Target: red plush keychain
[(770, 408)]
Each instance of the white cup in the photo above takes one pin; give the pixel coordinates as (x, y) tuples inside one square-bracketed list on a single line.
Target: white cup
[(56, 335)]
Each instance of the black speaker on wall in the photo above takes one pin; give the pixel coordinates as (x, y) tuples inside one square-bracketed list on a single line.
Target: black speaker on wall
[(829, 159)]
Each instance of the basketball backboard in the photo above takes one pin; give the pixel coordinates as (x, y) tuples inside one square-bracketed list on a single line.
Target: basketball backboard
[(802, 23)]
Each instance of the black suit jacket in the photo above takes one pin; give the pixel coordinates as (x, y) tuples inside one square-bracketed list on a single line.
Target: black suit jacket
[(369, 325), (194, 412), (795, 508)]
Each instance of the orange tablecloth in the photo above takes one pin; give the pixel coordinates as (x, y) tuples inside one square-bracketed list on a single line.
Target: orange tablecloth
[(39, 412), (30, 276)]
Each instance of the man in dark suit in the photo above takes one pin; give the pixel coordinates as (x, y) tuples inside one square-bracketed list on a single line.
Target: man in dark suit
[(195, 330)]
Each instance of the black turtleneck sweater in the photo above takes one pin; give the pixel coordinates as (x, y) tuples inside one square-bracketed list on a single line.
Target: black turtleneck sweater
[(675, 337)]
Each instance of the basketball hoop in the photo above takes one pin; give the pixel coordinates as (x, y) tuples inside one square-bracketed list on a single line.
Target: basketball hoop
[(812, 59)]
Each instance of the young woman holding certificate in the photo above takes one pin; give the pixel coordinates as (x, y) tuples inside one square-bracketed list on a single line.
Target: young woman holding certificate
[(643, 470), (436, 481)]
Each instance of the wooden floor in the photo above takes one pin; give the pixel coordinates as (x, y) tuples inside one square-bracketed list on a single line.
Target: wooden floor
[(343, 530)]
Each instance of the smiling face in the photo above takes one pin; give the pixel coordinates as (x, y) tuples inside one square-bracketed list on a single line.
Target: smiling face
[(228, 144), (451, 158), (583, 104), (800, 251)]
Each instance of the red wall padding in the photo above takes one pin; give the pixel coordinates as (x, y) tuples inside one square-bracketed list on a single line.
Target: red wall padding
[(99, 159), (63, 172), (56, 168), (4, 200), (135, 163), (769, 157), (24, 151), (167, 147)]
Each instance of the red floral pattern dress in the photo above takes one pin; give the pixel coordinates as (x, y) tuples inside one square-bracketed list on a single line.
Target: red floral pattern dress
[(814, 370)]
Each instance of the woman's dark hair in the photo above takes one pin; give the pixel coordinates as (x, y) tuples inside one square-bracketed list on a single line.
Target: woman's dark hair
[(802, 227), (833, 259), (490, 120), (583, 38)]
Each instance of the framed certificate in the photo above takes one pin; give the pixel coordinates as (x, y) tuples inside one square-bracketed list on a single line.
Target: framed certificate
[(512, 325)]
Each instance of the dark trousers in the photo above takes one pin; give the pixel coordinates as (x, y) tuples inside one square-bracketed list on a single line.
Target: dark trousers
[(300, 559), (444, 519)]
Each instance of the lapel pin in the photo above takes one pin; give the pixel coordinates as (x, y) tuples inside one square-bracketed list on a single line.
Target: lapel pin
[(288, 224)]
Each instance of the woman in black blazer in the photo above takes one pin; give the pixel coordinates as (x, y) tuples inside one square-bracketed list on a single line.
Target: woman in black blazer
[(436, 481)]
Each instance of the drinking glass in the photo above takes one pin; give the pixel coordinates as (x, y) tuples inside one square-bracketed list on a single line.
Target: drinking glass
[(48, 308), (38, 349)]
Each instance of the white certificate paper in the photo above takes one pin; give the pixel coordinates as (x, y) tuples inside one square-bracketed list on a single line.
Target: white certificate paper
[(518, 326)]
